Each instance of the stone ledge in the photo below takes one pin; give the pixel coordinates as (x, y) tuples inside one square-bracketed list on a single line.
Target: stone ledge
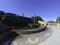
[(26, 32)]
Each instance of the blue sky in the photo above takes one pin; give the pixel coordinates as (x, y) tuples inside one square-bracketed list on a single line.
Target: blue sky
[(47, 9)]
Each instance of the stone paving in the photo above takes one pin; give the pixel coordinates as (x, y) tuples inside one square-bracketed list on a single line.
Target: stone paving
[(33, 39), (54, 39)]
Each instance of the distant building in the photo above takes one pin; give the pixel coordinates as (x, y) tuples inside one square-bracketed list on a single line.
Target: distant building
[(48, 23), (42, 23)]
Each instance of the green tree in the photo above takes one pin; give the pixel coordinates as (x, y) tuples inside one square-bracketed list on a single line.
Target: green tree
[(23, 14), (36, 18), (2, 13), (58, 20), (51, 21)]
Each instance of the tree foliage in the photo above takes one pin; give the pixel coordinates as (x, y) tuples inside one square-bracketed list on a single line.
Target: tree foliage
[(58, 20), (37, 18), (51, 21), (2, 12), (1, 15), (14, 20)]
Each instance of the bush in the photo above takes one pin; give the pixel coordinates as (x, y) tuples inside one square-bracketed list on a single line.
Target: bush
[(35, 25), (2, 12), (16, 21)]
